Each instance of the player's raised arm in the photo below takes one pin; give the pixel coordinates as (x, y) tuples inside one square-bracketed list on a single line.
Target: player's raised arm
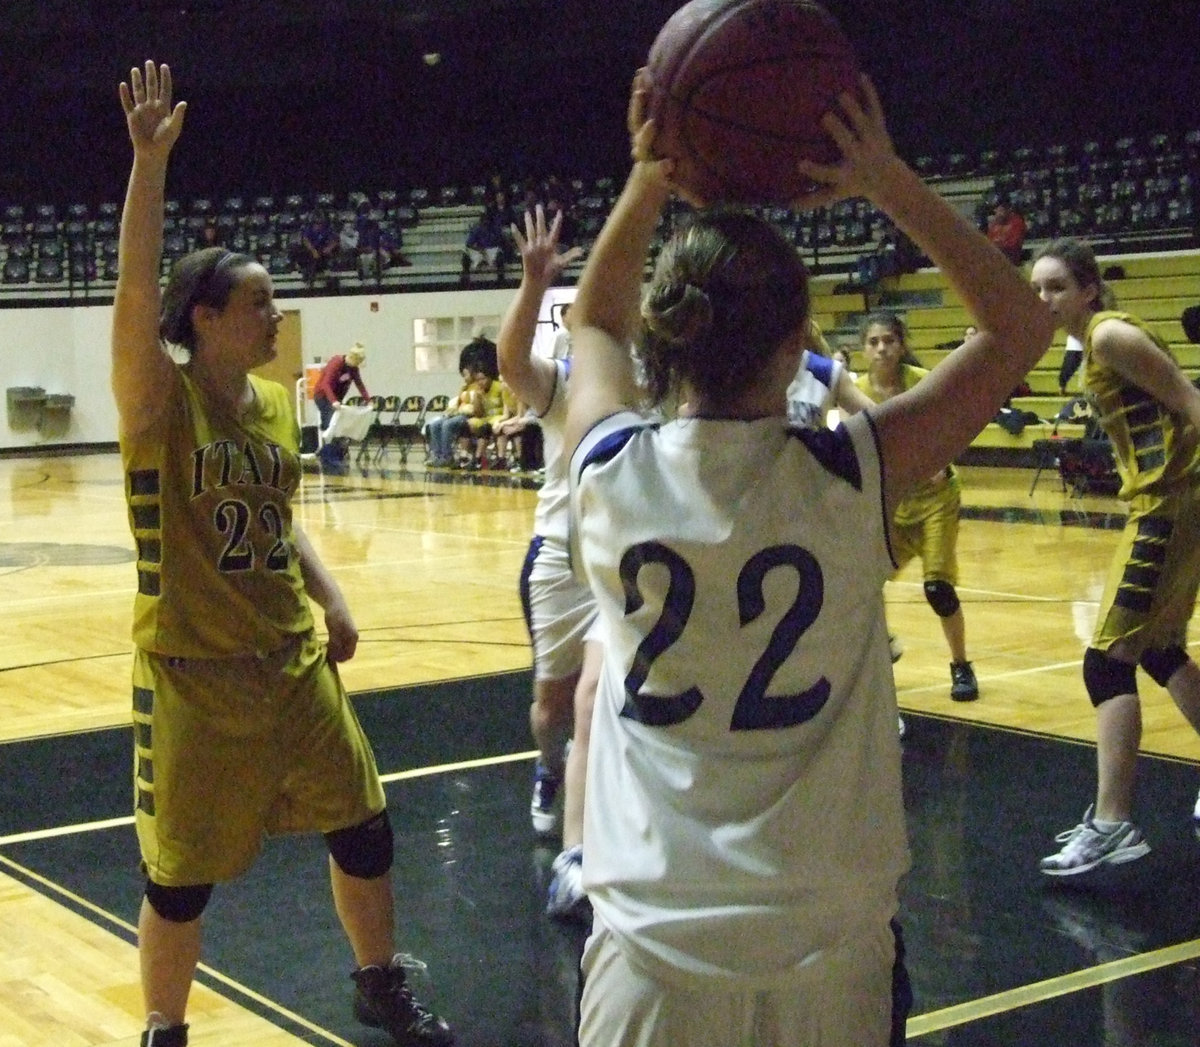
[(139, 367), (604, 314), (531, 378), (925, 429)]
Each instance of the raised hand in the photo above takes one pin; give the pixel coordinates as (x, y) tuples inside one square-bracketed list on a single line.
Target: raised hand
[(154, 125), (641, 140), (538, 245), (857, 126)]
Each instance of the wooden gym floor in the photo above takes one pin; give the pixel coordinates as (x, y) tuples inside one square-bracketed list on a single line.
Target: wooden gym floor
[(441, 682)]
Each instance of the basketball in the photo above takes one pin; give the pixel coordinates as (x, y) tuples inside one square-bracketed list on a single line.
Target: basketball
[(737, 89)]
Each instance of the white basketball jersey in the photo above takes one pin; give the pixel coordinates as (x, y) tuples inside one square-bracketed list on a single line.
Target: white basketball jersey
[(550, 518), (744, 806), (812, 394)]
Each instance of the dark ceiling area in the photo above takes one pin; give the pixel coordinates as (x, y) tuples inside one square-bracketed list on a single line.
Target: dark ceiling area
[(340, 93)]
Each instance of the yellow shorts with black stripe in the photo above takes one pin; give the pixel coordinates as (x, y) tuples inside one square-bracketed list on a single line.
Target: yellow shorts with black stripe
[(1152, 584), (933, 537), (230, 750)]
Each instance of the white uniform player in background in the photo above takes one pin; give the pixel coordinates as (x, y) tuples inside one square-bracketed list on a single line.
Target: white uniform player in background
[(823, 385), (559, 607), (744, 825), (823, 391)]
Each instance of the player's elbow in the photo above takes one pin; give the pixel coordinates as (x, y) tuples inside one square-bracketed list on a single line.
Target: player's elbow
[(1030, 330)]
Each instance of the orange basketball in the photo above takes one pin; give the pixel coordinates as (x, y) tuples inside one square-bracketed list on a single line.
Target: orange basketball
[(737, 89)]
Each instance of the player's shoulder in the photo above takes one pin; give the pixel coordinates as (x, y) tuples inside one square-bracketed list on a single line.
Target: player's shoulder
[(834, 449), (609, 436)]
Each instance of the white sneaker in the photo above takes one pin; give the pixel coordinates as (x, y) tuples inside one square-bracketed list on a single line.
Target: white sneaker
[(566, 898), (903, 729), (1086, 848), (543, 810)]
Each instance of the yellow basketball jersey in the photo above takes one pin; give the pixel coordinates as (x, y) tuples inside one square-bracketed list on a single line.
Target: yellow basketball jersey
[(492, 401), (929, 495), (1153, 449), (209, 499)]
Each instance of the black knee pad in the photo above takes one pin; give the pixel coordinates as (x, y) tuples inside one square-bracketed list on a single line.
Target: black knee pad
[(178, 904), (364, 850), (1161, 663), (1105, 677), (942, 598)]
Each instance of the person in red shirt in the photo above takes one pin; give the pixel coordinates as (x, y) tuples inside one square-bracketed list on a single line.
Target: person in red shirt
[(336, 378), (1006, 229)]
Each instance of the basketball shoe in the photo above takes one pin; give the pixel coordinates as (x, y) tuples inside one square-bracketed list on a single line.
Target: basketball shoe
[(566, 898), (1086, 848), (963, 685), (159, 1035), (542, 809), (383, 1000)]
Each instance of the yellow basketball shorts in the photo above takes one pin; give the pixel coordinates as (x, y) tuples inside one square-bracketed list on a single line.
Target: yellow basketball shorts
[(1150, 593), (229, 750), (934, 538)]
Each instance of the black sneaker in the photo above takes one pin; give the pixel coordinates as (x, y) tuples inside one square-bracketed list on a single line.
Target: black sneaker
[(383, 1000), (963, 685), (165, 1036)]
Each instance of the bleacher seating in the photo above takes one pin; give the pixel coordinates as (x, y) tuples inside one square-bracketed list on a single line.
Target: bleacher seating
[(1135, 194)]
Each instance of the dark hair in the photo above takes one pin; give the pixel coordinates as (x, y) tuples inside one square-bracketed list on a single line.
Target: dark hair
[(1081, 263), (727, 290), (1190, 318), (894, 323), (204, 277)]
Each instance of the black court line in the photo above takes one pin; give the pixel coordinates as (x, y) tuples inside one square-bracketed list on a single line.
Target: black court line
[(1089, 518), (980, 922)]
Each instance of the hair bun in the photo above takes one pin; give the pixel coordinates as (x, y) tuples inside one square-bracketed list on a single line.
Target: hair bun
[(680, 313)]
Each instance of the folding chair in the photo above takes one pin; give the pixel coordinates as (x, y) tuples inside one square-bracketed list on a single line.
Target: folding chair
[(376, 405), (407, 425), (384, 429)]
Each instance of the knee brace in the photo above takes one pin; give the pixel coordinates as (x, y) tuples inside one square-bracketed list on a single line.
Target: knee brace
[(942, 598), (178, 904), (1105, 677), (1161, 662), (364, 850)]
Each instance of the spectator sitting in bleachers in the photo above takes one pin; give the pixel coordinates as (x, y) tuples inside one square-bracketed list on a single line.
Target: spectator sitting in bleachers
[(317, 245), (1006, 229), (567, 234), (346, 255), (210, 234), (487, 239), (378, 245)]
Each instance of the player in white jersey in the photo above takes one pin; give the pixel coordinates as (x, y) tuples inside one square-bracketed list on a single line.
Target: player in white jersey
[(558, 606), (822, 384), (744, 825)]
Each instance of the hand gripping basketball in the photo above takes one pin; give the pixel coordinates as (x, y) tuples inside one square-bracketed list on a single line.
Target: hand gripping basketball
[(737, 90)]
